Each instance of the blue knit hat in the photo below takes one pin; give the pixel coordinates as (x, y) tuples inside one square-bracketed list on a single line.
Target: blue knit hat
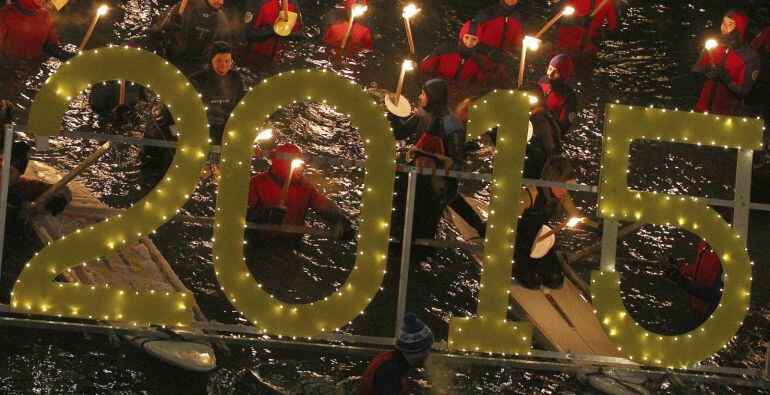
[(415, 336)]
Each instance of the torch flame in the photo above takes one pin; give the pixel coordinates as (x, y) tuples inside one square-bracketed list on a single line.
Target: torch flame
[(359, 10), (408, 65), (102, 10), (573, 222), (266, 134), (297, 163), (532, 43), (568, 10), (533, 99), (711, 44), (410, 11)]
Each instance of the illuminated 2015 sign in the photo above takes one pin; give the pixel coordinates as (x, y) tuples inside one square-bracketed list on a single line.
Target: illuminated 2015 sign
[(36, 292)]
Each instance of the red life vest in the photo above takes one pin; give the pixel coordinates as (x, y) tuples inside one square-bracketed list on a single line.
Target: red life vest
[(381, 363), (496, 29), (577, 31), (705, 272), (742, 65), (336, 25), (446, 62), (24, 34), (262, 14)]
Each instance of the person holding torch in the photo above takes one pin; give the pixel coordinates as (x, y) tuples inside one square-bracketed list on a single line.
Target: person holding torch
[(583, 29), (349, 26), (27, 30), (729, 66), (282, 196), (262, 41), (457, 62), (500, 29)]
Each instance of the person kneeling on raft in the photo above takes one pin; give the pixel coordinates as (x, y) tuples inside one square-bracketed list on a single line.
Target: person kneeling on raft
[(388, 372), (220, 87), (267, 203), (539, 206), (23, 190)]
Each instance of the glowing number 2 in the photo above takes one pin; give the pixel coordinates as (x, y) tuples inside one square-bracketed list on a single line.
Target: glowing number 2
[(35, 292), (617, 201)]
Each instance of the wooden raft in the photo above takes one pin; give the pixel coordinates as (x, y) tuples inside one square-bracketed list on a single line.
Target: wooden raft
[(136, 266)]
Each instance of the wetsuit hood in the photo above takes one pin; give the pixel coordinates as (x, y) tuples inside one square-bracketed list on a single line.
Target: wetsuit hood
[(218, 47), (281, 166), (741, 23), (20, 156), (564, 64), (438, 96), (473, 30)]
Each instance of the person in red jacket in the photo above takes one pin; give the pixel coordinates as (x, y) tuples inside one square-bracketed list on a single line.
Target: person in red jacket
[(388, 372), (731, 75), (456, 62), (27, 30), (335, 25), (261, 41), (560, 98), (580, 33), (265, 195), (499, 28), (759, 97), (23, 190)]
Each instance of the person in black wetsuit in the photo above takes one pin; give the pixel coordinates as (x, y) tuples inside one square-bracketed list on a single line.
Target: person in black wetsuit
[(538, 207), (183, 38), (434, 118), (221, 88)]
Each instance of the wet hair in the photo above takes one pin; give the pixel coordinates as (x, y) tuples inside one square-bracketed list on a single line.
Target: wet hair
[(558, 169), (218, 47), (437, 91)]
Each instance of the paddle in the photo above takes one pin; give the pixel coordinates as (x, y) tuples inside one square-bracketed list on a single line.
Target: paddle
[(286, 21), (47, 195), (597, 247)]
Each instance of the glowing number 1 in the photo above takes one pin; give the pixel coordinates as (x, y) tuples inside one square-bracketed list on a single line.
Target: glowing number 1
[(490, 331), (35, 291), (618, 201)]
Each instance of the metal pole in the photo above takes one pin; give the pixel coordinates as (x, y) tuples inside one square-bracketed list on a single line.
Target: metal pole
[(766, 373), (406, 249), (4, 181), (743, 193), (609, 245)]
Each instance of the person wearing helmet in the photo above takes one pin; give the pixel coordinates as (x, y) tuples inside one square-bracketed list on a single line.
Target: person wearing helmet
[(27, 30), (220, 87), (23, 190), (388, 372), (335, 26), (560, 98), (735, 68), (580, 33), (457, 62), (266, 203), (262, 43), (499, 28), (184, 37)]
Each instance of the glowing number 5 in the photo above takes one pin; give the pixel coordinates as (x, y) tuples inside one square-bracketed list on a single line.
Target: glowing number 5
[(617, 201), (35, 290)]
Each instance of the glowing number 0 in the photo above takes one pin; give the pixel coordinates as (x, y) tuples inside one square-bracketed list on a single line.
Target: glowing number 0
[(35, 292), (364, 280), (618, 201), (490, 331)]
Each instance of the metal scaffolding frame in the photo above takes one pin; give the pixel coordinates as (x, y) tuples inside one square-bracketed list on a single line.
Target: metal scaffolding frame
[(339, 343)]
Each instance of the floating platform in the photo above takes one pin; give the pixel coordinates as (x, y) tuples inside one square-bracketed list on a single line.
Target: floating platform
[(137, 266)]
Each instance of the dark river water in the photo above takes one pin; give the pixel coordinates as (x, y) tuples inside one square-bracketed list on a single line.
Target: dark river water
[(648, 64)]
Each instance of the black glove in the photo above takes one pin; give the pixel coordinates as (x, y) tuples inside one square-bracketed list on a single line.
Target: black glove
[(6, 111), (723, 76), (271, 215), (56, 205), (711, 72)]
